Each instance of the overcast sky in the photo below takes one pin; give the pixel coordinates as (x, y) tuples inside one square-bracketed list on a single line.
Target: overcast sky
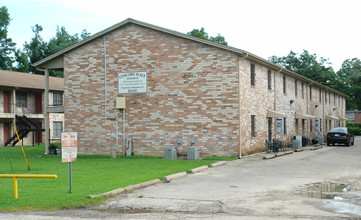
[(328, 28)]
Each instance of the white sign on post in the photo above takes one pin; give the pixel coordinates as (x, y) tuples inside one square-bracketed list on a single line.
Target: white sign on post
[(69, 147), (133, 82)]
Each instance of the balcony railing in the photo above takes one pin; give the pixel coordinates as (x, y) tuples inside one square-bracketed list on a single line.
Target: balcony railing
[(7, 109)]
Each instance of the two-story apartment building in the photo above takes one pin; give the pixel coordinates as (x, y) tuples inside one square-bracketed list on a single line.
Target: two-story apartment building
[(180, 91), (22, 104)]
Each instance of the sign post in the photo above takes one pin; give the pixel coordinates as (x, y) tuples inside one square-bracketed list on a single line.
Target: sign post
[(69, 150)]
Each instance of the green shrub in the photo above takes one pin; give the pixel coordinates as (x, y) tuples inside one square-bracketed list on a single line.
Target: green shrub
[(354, 128)]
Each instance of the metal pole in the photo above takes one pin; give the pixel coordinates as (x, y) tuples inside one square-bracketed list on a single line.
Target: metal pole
[(47, 122), (116, 132), (124, 132), (69, 166)]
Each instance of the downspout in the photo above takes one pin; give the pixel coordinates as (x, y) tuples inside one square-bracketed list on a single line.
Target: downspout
[(275, 101), (274, 90), (308, 90), (105, 78), (239, 104), (323, 113)]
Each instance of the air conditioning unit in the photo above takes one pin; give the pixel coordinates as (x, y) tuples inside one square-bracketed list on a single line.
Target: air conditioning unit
[(170, 153), (193, 153), (297, 142), (320, 139)]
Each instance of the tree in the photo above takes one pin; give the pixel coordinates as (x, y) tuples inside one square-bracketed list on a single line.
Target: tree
[(36, 49), (7, 47), (350, 83), (21, 61), (200, 33), (308, 65), (61, 40)]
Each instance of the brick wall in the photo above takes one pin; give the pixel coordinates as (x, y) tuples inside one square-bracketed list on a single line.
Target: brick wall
[(192, 93), (357, 118)]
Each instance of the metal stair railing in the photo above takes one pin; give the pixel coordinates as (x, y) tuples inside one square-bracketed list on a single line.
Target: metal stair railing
[(22, 114)]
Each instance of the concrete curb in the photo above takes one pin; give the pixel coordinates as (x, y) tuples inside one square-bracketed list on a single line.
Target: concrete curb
[(288, 152), (269, 157), (142, 185), (220, 163), (199, 169), (128, 188), (316, 148), (279, 154), (168, 178), (298, 150)]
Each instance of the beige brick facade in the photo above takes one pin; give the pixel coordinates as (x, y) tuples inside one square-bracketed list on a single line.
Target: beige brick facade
[(195, 90)]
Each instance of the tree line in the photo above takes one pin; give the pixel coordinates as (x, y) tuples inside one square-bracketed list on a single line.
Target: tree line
[(346, 80), (15, 59)]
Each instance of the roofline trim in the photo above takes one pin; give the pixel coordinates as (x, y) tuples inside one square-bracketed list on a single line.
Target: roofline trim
[(140, 23), (182, 35)]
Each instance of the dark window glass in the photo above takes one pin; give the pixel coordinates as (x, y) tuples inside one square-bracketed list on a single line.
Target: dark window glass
[(253, 74), (284, 84), (57, 98), (21, 99), (57, 129), (284, 126), (269, 79), (253, 126)]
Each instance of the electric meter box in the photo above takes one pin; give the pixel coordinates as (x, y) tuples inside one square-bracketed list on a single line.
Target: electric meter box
[(120, 103)]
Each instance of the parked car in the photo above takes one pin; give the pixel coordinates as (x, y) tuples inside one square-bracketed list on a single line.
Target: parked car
[(340, 135)]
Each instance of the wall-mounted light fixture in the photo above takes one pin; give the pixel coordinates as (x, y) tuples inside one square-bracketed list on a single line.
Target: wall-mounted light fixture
[(291, 101), (334, 109), (316, 106)]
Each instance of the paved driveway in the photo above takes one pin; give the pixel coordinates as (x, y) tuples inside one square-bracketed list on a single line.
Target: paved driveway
[(250, 188)]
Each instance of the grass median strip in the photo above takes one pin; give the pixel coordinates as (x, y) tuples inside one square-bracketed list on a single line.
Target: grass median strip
[(91, 175)]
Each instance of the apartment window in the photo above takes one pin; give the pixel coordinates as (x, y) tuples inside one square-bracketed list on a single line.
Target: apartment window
[(284, 84), (21, 99), (325, 97), (253, 125), (253, 74), (295, 87), (57, 98), (269, 79), (302, 90), (57, 129), (319, 94), (311, 125), (310, 92), (284, 126), (329, 98)]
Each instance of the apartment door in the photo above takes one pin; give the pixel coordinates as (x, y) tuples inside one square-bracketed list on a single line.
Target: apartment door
[(269, 121), (6, 102), (38, 103), (6, 132), (39, 135)]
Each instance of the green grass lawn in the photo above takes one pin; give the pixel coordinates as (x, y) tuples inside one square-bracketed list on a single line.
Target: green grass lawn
[(90, 175)]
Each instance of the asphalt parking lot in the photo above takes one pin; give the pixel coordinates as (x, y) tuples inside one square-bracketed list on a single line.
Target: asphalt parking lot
[(286, 187)]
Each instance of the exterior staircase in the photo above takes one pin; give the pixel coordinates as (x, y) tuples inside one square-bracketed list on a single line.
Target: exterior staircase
[(28, 126)]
